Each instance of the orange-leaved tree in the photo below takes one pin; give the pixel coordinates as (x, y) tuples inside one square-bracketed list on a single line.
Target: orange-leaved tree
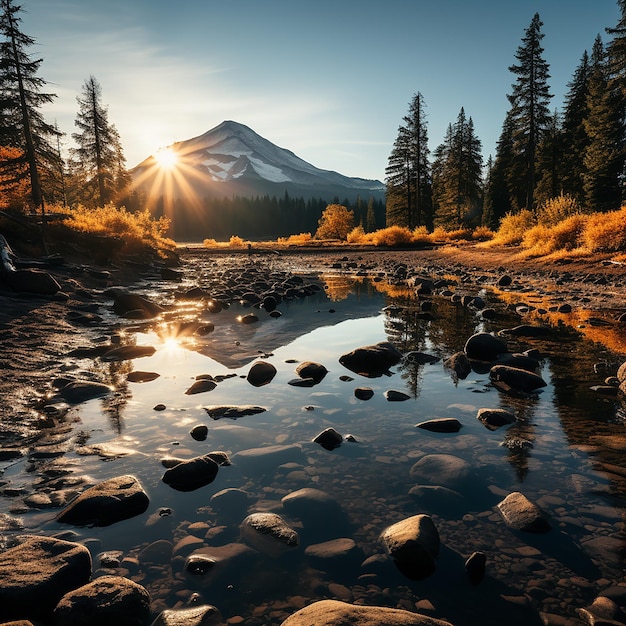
[(336, 222), (14, 183)]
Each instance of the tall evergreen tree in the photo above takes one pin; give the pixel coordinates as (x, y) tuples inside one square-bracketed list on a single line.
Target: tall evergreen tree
[(530, 114), (457, 176), (550, 162), (21, 98), (604, 125), (408, 171), (98, 161), (573, 134), (616, 51)]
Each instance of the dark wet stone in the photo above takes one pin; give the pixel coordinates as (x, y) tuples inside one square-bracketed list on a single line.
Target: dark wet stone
[(199, 565), (159, 407), (509, 379), (126, 353), (521, 514), (413, 543), (302, 382), (261, 373), (107, 502), (248, 318), (37, 573), (33, 281), (220, 457), (528, 330), (459, 364), (393, 395), (233, 412), (232, 503), (441, 425), (329, 439), (199, 432), (504, 281), (125, 303), (442, 469), (363, 393), (141, 377), (521, 361), (79, 391), (201, 386), (312, 370), (269, 303), (205, 329), (192, 474), (372, 361), (495, 418), (484, 347), (475, 567), (105, 601), (421, 358)]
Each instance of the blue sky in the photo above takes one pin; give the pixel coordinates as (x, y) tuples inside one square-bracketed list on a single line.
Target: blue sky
[(329, 80)]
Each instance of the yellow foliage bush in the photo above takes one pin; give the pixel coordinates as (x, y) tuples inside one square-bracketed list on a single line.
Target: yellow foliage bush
[(356, 235), (555, 210), (482, 233), (138, 229), (421, 235), (210, 243), (236, 242), (605, 232), (513, 227), (296, 240), (391, 236)]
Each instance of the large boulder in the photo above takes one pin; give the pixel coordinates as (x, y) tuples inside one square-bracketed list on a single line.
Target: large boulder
[(371, 361), (413, 543), (107, 502), (105, 601), (336, 613), (484, 347), (78, 391), (37, 573), (133, 306), (191, 474), (33, 281)]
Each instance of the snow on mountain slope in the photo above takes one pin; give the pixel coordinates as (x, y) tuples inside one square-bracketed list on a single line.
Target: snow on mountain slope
[(233, 153)]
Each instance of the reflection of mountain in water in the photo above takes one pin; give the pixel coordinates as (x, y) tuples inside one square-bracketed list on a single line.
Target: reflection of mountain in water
[(234, 344)]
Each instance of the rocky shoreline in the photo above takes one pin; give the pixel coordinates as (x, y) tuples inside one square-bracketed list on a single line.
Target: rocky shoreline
[(41, 331)]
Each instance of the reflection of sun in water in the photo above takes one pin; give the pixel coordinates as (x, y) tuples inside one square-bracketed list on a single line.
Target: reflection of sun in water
[(166, 158)]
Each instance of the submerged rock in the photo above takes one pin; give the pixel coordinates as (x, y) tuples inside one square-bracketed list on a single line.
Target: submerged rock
[(269, 533), (442, 469), (495, 418), (203, 615), (108, 502)]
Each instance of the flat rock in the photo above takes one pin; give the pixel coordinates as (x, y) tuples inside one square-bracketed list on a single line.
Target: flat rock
[(33, 281), (233, 412), (446, 470), (363, 393), (127, 353), (40, 568), (108, 502), (393, 395), (191, 474), (336, 613), (310, 369), (203, 615), (201, 386), (441, 425), (521, 514), (255, 461), (105, 601), (269, 533), (372, 361), (141, 377), (78, 391), (413, 543)]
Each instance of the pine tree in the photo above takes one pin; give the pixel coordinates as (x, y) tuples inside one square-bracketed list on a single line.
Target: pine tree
[(98, 161), (550, 162), (457, 176), (604, 125), (573, 134), (616, 51), (22, 125), (408, 171), (530, 114)]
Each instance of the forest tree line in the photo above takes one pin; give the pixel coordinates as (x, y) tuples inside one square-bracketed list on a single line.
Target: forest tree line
[(541, 154)]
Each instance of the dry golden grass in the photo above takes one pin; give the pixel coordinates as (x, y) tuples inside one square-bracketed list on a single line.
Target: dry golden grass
[(606, 232), (138, 230), (296, 240), (513, 227)]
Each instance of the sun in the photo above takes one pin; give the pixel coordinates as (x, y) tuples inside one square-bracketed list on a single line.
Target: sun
[(166, 158)]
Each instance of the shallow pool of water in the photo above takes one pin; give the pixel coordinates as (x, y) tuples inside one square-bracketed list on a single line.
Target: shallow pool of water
[(565, 453)]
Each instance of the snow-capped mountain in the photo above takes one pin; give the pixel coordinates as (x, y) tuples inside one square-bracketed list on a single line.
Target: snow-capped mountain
[(231, 159)]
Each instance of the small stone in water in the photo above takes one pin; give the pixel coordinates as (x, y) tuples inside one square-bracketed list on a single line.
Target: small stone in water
[(159, 407), (199, 432)]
